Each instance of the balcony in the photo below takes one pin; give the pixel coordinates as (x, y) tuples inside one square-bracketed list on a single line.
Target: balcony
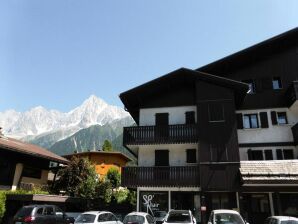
[(169, 134), (292, 96), (168, 176)]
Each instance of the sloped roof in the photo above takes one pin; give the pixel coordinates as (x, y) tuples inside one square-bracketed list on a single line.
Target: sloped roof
[(269, 172), (179, 77), (12, 144), (257, 52), (98, 153)]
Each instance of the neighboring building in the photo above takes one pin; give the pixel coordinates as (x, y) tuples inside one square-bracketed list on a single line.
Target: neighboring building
[(199, 130), (24, 165), (103, 161)]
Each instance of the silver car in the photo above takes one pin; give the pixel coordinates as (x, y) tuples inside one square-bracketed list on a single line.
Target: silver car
[(95, 217)]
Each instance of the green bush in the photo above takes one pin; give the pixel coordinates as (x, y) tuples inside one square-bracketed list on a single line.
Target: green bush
[(4, 193)]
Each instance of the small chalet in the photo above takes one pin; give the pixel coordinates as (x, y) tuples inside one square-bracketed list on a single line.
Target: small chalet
[(23, 165), (102, 160)]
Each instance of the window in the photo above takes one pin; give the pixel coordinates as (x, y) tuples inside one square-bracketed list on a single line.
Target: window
[(161, 157), (288, 154), (251, 85), (191, 156), (39, 211), (49, 211), (216, 112), (250, 121), (189, 117), (276, 83), (268, 154), (161, 119), (279, 154), (282, 118), (255, 154), (218, 153), (31, 172)]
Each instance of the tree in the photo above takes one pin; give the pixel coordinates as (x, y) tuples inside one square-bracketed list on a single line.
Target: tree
[(107, 146), (78, 179), (113, 176)]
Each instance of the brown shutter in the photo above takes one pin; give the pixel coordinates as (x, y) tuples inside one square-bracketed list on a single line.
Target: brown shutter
[(239, 121), (273, 117), (264, 120)]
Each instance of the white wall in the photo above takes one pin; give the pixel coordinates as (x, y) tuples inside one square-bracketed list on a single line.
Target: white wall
[(177, 154), (275, 133), (244, 156), (176, 114)]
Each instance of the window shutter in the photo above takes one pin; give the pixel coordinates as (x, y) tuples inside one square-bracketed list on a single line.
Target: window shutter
[(264, 120), (249, 154), (239, 121), (273, 117)]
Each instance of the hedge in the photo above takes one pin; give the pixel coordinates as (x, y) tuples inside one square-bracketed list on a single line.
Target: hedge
[(3, 198)]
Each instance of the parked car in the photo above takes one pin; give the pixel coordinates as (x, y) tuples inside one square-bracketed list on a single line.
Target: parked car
[(138, 218), (281, 220), (180, 216), (42, 214), (97, 217), (225, 216), (159, 216)]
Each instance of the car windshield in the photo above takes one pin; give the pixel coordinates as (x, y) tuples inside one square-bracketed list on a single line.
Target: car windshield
[(25, 211), (129, 219), (86, 218), (289, 222), (178, 217), (228, 218)]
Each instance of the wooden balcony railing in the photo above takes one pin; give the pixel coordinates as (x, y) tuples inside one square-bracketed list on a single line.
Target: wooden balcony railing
[(168, 176), (169, 134)]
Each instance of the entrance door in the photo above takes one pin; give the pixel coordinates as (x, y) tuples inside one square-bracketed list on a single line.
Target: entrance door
[(256, 207), (182, 200)]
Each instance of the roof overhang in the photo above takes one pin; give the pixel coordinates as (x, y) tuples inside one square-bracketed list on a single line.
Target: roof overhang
[(177, 78)]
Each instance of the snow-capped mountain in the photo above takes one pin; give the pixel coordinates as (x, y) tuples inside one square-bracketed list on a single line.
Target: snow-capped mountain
[(40, 121)]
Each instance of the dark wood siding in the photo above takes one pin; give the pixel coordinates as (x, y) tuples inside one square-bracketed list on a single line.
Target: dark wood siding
[(281, 64), (219, 138)]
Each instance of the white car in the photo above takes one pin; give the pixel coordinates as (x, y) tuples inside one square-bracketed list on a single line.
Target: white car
[(281, 220), (225, 216), (138, 218), (180, 216), (97, 217)]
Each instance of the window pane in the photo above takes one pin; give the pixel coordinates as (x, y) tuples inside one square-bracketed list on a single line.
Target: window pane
[(282, 118), (276, 83), (246, 123), (254, 121)]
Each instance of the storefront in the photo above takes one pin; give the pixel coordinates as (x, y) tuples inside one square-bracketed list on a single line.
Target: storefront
[(151, 200)]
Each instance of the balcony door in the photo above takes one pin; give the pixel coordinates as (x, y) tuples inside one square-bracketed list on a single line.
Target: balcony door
[(162, 126)]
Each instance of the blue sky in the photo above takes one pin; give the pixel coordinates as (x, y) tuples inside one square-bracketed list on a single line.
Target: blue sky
[(56, 53)]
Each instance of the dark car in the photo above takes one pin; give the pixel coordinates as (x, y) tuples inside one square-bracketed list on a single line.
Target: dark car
[(42, 214)]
